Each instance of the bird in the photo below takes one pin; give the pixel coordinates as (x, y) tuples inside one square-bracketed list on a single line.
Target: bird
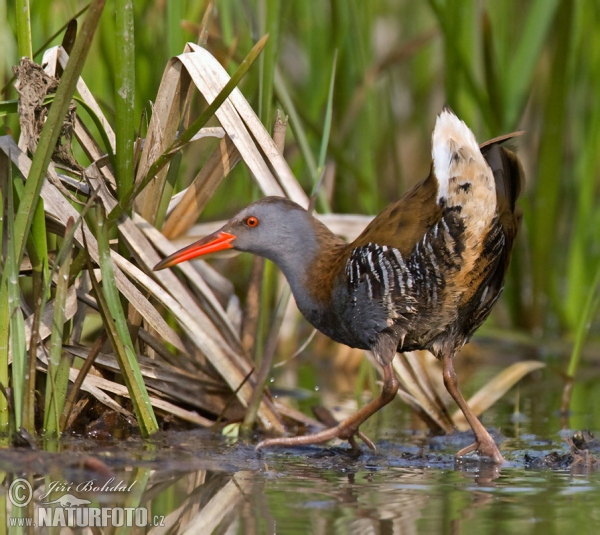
[(424, 274)]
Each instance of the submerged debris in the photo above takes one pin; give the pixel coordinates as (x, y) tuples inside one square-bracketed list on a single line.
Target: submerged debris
[(580, 445), (579, 457)]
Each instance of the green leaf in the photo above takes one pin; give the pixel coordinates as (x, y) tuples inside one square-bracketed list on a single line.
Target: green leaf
[(521, 68), (58, 363), (18, 344), (52, 126), (125, 95), (116, 323)]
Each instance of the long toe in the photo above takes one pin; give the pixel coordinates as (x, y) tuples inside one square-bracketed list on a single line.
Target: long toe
[(339, 431), (491, 451), (486, 450), (304, 440)]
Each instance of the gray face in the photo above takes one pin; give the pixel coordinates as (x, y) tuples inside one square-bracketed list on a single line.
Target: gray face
[(275, 228), (282, 231)]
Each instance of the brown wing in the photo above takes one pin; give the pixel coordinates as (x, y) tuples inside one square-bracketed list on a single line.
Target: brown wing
[(404, 222)]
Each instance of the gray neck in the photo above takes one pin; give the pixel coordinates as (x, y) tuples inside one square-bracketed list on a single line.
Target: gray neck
[(295, 270), (294, 250)]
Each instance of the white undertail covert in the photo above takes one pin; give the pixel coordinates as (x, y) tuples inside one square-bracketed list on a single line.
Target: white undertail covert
[(465, 179)]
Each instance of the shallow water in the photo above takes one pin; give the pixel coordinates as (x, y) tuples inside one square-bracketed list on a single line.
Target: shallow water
[(203, 483), (200, 482)]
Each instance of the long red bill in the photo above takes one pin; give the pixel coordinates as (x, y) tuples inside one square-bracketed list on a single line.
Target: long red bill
[(210, 244)]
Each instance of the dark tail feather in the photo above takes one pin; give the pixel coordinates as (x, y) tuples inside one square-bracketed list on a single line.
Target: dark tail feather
[(508, 172)]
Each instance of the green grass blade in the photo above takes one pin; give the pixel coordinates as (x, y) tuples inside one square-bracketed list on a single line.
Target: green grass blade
[(459, 62), (521, 68), (4, 334), (328, 116), (138, 481), (493, 79), (262, 374), (585, 234), (124, 95), (29, 403), (10, 277), (4, 329), (172, 176), (296, 125), (548, 185), (268, 62), (325, 141), (124, 345), (58, 363), (47, 43), (9, 107), (175, 36), (52, 127), (101, 130), (37, 245), (37, 241), (583, 328), (24, 29)]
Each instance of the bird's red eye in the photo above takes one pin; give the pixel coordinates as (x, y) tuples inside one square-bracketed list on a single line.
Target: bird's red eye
[(252, 221)]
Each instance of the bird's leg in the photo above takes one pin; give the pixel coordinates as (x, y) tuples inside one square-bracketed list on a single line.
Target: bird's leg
[(325, 417), (484, 443), (347, 428)]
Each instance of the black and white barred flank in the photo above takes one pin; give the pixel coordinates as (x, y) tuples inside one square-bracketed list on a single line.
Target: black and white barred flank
[(398, 282)]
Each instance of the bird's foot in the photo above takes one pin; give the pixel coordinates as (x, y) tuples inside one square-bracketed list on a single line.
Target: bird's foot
[(487, 449), (339, 431), (347, 431)]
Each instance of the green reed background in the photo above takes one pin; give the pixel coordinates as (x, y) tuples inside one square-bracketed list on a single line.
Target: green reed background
[(501, 66)]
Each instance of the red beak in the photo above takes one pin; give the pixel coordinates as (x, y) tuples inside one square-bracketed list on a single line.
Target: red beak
[(213, 242)]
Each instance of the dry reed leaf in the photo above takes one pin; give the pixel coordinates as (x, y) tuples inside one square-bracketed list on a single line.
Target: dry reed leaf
[(486, 396), (209, 86), (47, 316), (99, 394), (173, 94), (60, 209), (75, 185), (212, 305), (219, 164), (93, 151), (194, 389), (229, 364), (223, 503), (198, 496), (213, 70), (93, 384), (209, 131), (147, 256), (227, 360), (239, 121), (349, 226), (411, 386), (428, 392), (420, 372)]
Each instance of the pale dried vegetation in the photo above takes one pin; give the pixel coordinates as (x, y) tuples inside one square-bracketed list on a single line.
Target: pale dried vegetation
[(194, 365)]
